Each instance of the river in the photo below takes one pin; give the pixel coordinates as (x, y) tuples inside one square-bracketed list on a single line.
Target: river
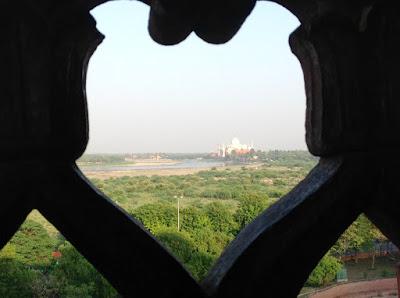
[(183, 164)]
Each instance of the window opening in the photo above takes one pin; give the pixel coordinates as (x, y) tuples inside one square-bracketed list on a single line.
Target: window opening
[(195, 140)]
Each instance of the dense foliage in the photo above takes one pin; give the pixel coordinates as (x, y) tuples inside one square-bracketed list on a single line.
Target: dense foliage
[(325, 271), (214, 206), (360, 236), (228, 185), (32, 244), (297, 158), (249, 207), (28, 268)]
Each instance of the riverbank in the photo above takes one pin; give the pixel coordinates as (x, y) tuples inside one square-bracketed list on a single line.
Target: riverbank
[(102, 175), (159, 168)]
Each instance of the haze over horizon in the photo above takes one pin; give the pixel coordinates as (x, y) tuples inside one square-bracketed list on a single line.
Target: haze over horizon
[(144, 97)]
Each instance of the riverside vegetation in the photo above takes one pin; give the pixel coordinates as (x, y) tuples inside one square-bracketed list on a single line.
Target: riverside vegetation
[(215, 205)]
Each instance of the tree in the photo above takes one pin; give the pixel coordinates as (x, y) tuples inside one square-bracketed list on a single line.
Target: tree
[(361, 235), (194, 219), (221, 218), (15, 279), (77, 277), (154, 216), (8, 252), (178, 243), (211, 242), (184, 248), (33, 245), (249, 208), (325, 271)]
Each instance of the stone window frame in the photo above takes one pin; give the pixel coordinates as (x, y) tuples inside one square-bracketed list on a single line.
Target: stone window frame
[(347, 50)]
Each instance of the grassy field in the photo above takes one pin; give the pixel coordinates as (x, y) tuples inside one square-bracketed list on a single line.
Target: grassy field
[(199, 187), (225, 184)]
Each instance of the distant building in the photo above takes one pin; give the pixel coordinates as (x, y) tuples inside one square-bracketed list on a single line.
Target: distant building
[(235, 148)]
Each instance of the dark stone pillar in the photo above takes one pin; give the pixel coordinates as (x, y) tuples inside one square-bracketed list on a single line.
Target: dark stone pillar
[(349, 54), (398, 279), (347, 51), (44, 57), (44, 51)]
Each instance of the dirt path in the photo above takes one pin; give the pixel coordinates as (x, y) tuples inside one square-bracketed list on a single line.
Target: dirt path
[(363, 289)]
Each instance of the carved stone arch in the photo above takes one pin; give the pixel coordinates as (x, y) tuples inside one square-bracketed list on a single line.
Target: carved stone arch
[(348, 51)]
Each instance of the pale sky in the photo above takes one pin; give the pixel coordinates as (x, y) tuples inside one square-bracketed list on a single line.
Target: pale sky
[(144, 97)]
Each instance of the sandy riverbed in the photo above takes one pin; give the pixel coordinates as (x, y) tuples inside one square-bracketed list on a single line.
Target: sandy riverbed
[(163, 172), (160, 172)]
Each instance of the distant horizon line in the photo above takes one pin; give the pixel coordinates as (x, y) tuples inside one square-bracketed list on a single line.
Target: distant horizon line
[(188, 152)]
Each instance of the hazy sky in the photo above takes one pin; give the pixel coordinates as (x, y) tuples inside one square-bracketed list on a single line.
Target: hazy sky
[(144, 97)]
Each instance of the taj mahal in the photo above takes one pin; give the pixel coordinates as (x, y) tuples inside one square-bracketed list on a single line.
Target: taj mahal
[(234, 148)]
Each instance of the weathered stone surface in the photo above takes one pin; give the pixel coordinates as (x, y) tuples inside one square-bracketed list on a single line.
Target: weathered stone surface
[(348, 51), (338, 110), (171, 21), (281, 247), (43, 106)]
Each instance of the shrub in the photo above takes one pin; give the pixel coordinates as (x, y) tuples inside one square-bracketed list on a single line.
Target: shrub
[(325, 271), (155, 215), (8, 252), (210, 242), (184, 248), (77, 277), (32, 244), (200, 264), (249, 208), (208, 194), (193, 219), (15, 279), (223, 194), (221, 218)]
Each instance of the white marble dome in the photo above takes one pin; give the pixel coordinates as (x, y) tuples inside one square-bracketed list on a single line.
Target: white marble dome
[(235, 142)]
